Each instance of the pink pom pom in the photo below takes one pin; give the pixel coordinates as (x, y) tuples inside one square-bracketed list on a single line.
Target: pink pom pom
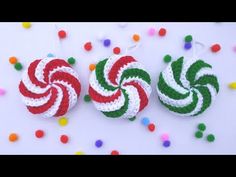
[(151, 31), (2, 92), (164, 137)]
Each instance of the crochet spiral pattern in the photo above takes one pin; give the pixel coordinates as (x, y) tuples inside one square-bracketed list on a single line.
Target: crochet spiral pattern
[(187, 87), (120, 87), (49, 87)]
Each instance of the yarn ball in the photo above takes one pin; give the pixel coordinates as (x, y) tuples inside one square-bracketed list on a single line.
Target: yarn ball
[(120, 87), (49, 87), (187, 87)]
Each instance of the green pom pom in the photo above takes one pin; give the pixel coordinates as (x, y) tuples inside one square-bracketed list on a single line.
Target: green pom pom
[(188, 38), (201, 126), (71, 60), (18, 66), (132, 119), (210, 138), (167, 58), (87, 98), (198, 134)]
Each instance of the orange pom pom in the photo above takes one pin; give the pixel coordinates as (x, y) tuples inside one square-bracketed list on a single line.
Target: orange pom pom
[(13, 137), (92, 67), (13, 60)]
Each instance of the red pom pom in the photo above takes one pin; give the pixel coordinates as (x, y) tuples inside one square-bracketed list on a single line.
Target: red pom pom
[(62, 34)]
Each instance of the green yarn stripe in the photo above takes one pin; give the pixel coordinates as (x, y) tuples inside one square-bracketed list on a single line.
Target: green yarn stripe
[(194, 69), (183, 110), (208, 79), (100, 75), (135, 72), (169, 91), (176, 67), (206, 94), (122, 110)]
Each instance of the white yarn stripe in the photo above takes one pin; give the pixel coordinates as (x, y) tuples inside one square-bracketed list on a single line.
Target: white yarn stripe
[(111, 106), (33, 102), (186, 65), (54, 108), (170, 80), (96, 86), (63, 69), (71, 91), (173, 102), (40, 67), (134, 102), (146, 87), (204, 71), (30, 86), (110, 62), (128, 66), (212, 91)]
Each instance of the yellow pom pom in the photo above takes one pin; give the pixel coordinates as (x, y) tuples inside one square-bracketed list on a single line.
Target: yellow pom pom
[(63, 121), (26, 25), (232, 85), (79, 153)]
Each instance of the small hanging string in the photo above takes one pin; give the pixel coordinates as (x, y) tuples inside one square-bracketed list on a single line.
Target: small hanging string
[(132, 48), (195, 53), (57, 43)]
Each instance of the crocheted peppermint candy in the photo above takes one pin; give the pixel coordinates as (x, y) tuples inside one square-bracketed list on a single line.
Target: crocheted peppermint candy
[(120, 87), (187, 87), (49, 87)]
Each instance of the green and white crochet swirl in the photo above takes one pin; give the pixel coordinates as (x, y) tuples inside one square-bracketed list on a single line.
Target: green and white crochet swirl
[(187, 87)]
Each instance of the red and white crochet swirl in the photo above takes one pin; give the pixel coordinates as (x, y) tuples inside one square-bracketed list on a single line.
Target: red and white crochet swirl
[(50, 87)]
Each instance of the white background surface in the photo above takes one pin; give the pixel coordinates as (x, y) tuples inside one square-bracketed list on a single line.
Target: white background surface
[(86, 124)]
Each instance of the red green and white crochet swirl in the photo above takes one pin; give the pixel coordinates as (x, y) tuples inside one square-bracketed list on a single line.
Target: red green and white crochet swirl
[(49, 87), (120, 87), (187, 87)]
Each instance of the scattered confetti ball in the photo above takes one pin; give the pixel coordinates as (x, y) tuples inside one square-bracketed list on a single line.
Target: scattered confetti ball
[(92, 67), (166, 143), (151, 31), (98, 143), (61, 34), (136, 37), (188, 38), (198, 134), (167, 58), (87, 98), (215, 48), (210, 138), (151, 127), (13, 137), (188, 45), (162, 32), (88, 46), (64, 139), (145, 121), (26, 25), (116, 50), (63, 121), (115, 152), (18, 66), (232, 85), (79, 153), (164, 137), (201, 127), (2, 92), (50, 55), (13, 60), (107, 42), (71, 60), (39, 133)]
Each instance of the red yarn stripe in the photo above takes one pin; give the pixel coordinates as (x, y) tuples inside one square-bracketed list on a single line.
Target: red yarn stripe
[(25, 92), (112, 75), (46, 106), (64, 105), (66, 77), (31, 74), (50, 66), (103, 99), (142, 94)]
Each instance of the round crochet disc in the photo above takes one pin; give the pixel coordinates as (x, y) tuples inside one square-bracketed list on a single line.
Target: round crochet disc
[(187, 87), (119, 87), (49, 87)]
